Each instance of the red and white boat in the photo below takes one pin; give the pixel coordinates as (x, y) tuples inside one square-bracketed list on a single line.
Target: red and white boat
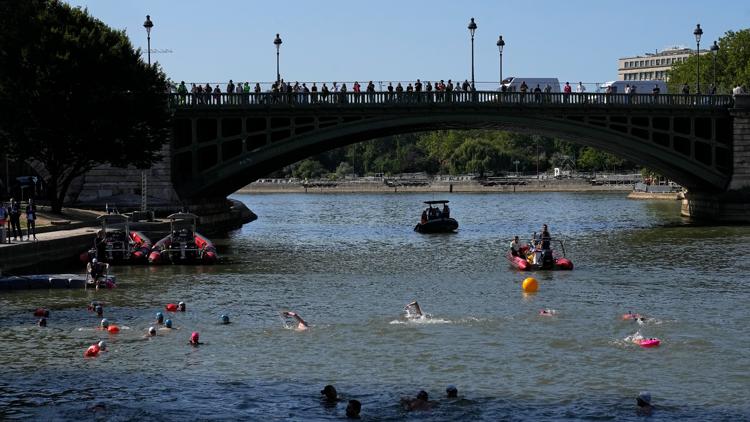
[(530, 259), (116, 243), (183, 244)]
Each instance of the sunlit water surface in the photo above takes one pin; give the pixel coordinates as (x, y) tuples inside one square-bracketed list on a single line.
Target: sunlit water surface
[(349, 263)]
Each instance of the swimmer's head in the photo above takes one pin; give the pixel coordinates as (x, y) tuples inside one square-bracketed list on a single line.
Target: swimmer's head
[(159, 317), (103, 345), (451, 391), (422, 395), (99, 310), (353, 409), (151, 331), (329, 392), (168, 323), (225, 319), (94, 261), (181, 305), (104, 323), (643, 399), (195, 337), (42, 322)]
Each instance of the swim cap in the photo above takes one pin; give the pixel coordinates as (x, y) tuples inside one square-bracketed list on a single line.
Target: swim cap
[(105, 323), (194, 337), (102, 345), (152, 331), (168, 323), (159, 316), (93, 261), (225, 319), (422, 395), (182, 306), (645, 397), (451, 388), (99, 309)]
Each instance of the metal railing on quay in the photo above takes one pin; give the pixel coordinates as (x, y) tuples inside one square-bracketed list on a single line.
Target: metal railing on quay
[(488, 98)]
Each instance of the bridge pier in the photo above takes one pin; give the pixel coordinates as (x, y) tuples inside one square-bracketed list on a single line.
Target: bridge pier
[(732, 206)]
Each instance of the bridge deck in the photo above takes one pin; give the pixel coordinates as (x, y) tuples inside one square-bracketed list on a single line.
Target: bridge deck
[(489, 98)]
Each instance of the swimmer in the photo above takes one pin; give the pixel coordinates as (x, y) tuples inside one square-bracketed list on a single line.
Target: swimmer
[(41, 312), (92, 306), (168, 324), (302, 325), (451, 392), (417, 310), (353, 409), (631, 315), (422, 402), (195, 339), (548, 312), (330, 395), (102, 346), (42, 322), (151, 332), (159, 318), (644, 403), (225, 319), (181, 306), (104, 324), (99, 310), (640, 320)]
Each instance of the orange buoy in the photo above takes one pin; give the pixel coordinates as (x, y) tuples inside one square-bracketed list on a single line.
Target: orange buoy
[(92, 351), (171, 307), (530, 285), (113, 329)]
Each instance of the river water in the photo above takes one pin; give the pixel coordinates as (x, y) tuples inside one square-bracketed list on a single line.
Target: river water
[(348, 263)]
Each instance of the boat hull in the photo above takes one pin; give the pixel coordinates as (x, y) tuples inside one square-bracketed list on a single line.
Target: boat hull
[(440, 225), (558, 264), (198, 250)]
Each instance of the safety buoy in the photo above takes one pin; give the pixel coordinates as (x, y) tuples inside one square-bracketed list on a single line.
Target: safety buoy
[(113, 329), (648, 342), (92, 351), (171, 307)]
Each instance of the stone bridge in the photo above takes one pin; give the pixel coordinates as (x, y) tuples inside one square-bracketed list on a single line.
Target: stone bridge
[(222, 142)]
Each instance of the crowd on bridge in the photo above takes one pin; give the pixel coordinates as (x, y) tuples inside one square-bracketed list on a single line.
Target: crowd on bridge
[(282, 92)]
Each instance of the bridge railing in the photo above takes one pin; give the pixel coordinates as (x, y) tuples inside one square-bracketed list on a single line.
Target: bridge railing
[(380, 99)]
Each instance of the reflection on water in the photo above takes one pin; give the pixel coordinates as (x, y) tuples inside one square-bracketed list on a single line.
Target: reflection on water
[(349, 263)]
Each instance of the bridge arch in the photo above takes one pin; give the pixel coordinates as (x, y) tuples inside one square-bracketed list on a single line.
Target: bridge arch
[(641, 138)]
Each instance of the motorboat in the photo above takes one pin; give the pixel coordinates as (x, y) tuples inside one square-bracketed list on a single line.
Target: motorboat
[(183, 244), (530, 258), (116, 243), (436, 220)]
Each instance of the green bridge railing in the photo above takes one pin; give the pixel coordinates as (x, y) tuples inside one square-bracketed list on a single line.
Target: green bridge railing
[(493, 98)]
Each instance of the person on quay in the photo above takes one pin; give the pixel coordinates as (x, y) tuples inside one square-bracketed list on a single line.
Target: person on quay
[(14, 212), (96, 270), (31, 219)]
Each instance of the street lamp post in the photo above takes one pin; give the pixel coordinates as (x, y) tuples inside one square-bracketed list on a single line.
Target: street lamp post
[(714, 53), (472, 28), (698, 32), (500, 45), (148, 25), (277, 43), (516, 163)]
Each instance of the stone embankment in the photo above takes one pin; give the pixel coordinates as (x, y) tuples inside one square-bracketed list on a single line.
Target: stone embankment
[(378, 186)]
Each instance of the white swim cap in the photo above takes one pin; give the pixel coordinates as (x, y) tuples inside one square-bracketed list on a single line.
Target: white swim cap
[(105, 323), (93, 261), (102, 345), (151, 330)]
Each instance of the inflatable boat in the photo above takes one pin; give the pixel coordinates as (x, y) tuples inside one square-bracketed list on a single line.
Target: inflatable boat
[(529, 259), (116, 243), (435, 220), (183, 245)]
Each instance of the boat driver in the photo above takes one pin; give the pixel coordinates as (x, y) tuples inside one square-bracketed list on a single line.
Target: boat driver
[(446, 211), (545, 238)]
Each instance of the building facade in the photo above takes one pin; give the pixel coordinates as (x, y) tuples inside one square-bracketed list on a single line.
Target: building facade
[(652, 66)]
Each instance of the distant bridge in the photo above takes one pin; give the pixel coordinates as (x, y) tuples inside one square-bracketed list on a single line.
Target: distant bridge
[(222, 142)]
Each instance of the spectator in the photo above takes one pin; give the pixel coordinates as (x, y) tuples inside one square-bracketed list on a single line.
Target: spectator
[(538, 94), (567, 89), (3, 220), (314, 93), (31, 219), (370, 92), (217, 94), (14, 212)]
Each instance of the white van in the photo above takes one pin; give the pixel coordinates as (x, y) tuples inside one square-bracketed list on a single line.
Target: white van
[(641, 87), (513, 84)]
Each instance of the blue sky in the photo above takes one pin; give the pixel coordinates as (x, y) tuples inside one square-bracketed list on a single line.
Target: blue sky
[(326, 40)]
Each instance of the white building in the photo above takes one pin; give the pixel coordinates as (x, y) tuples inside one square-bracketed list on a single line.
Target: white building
[(652, 66)]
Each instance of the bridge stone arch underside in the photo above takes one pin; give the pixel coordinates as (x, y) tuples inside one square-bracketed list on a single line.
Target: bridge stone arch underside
[(218, 151)]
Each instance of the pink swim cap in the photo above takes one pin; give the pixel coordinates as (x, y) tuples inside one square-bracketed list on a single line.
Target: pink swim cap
[(194, 337)]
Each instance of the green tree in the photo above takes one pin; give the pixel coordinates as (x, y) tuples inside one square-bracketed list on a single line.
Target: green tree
[(732, 65), (344, 169), (475, 156), (309, 169), (75, 94)]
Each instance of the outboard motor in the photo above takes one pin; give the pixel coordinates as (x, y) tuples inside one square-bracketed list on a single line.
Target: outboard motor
[(547, 261)]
